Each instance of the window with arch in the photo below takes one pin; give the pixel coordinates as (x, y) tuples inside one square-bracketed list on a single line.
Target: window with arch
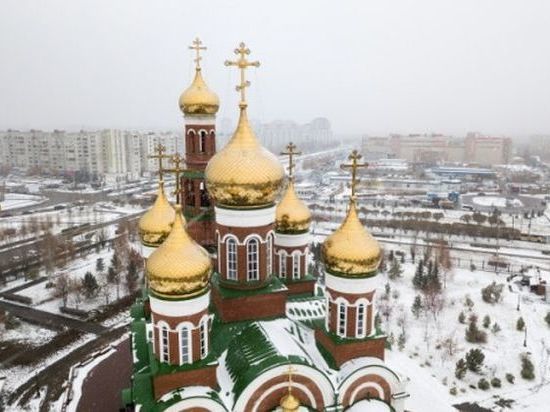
[(164, 343), (282, 264), (269, 255), (252, 248), (295, 266), (231, 246), (360, 320), (185, 345), (204, 338), (202, 142), (342, 319)]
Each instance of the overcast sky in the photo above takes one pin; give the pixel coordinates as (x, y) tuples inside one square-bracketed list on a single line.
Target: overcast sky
[(369, 66)]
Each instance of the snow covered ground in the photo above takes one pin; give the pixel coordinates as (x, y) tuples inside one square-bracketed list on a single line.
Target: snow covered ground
[(17, 200), (27, 333)]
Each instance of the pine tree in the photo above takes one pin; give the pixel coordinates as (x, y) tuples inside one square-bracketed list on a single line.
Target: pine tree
[(99, 265), (547, 318), (520, 324), (473, 334), (527, 368), (486, 321), (418, 279), (417, 306), (461, 317), (395, 270), (90, 285), (401, 340), (474, 359), (461, 369)]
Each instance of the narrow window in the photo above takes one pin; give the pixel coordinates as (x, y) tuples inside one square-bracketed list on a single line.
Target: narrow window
[(164, 342), (202, 142), (184, 345), (342, 319), (231, 259), (295, 266), (269, 255), (360, 320), (252, 255), (282, 265), (204, 339)]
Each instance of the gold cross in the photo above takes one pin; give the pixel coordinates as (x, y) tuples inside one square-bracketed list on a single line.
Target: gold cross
[(291, 153), (159, 150), (290, 371), (354, 157), (197, 46), (242, 64), (177, 161)]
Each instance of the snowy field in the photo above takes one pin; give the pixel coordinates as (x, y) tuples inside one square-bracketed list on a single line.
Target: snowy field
[(17, 200)]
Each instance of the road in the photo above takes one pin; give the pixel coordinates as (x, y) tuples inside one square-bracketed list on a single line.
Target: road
[(51, 319)]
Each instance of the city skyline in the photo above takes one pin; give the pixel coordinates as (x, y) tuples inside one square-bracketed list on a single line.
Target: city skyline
[(428, 67)]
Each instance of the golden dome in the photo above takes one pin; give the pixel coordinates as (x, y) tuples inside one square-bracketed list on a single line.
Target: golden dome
[(198, 98), (156, 223), (179, 267), (292, 215), (243, 173), (351, 250), (289, 403)]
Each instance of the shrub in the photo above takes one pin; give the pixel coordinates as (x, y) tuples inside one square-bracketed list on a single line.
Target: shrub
[(473, 334), (495, 383), (462, 317), (520, 324), (510, 378), (483, 384), (461, 369), (527, 368), (486, 321), (496, 328), (547, 318), (453, 391), (492, 293), (474, 359)]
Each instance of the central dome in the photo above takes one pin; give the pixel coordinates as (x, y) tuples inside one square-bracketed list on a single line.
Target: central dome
[(244, 173)]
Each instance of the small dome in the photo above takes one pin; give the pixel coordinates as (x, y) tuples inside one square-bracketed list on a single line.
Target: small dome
[(289, 403), (198, 98), (351, 251), (292, 215), (243, 173), (155, 225), (179, 267)]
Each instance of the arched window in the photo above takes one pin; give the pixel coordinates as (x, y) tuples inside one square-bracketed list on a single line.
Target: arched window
[(204, 338), (269, 255), (295, 266), (202, 142), (231, 246), (360, 328), (282, 264), (329, 313), (185, 345), (342, 319), (164, 343), (252, 259)]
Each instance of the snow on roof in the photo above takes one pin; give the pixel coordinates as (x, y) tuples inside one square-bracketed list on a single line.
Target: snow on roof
[(304, 309), (187, 392), (371, 405), (354, 364)]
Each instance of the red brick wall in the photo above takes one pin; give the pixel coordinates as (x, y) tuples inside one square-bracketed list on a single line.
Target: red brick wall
[(367, 393), (206, 376), (353, 349), (195, 159), (299, 288), (250, 307)]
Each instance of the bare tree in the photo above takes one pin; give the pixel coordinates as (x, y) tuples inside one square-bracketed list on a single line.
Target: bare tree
[(62, 288), (77, 291)]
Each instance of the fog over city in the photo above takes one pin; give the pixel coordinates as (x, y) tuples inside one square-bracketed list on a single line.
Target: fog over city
[(368, 66)]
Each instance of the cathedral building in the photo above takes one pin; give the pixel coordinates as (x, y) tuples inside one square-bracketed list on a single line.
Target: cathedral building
[(244, 326)]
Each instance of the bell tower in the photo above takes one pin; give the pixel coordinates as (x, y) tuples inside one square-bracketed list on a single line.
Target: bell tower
[(199, 106)]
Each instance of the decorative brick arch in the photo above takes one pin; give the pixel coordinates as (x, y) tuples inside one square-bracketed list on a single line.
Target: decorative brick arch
[(366, 387), (310, 386), (197, 404)]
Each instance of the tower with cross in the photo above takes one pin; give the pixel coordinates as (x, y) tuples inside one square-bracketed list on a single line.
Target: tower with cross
[(199, 105), (242, 63)]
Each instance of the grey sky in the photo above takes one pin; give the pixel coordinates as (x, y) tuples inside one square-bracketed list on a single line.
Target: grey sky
[(369, 66)]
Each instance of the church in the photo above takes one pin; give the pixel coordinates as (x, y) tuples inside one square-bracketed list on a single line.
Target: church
[(230, 319)]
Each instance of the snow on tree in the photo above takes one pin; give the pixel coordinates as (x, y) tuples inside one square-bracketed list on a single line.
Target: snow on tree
[(492, 293), (474, 359), (461, 368), (527, 367), (417, 306), (90, 286)]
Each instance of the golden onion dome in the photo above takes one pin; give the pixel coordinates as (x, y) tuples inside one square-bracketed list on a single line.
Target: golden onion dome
[(289, 403), (292, 215), (155, 225), (351, 251), (198, 98), (244, 173), (180, 267)]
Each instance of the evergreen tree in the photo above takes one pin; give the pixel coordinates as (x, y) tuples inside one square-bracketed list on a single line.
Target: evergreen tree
[(417, 306), (461, 317), (527, 368), (390, 256), (520, 324), (401, 340), (395, 270), (99, 265), (547, 318), (90, 285), (473, 334), (418, 279), (496, 328), (486, 321), (461, 369), (474, 359)]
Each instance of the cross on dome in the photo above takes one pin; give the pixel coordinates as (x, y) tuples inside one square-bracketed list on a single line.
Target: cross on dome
[(177, 161), (242, 63), (197, 46), (159, 151), (354, 157), (291, 153)]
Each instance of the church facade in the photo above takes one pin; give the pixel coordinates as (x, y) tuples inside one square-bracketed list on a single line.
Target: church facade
[(244, 326)]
